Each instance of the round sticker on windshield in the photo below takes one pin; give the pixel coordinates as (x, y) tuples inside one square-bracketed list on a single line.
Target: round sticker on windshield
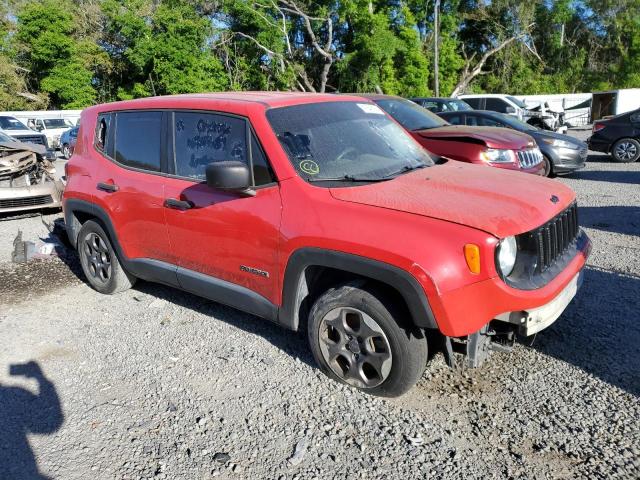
[(309, 167)]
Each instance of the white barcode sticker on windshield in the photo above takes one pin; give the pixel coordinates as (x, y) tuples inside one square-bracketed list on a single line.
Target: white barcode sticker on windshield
[(369, 108)]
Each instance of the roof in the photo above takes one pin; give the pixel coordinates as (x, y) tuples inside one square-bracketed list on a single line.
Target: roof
[(267, 99)]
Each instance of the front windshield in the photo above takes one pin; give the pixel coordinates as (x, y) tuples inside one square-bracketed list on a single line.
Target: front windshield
[(519, 103), (10, 123), (457, 106), (6, 138), (345, 140), (516, 124), (410, 115), (55, 123)]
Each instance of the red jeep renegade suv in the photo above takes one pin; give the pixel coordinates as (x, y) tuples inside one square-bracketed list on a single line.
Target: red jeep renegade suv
[(321, 211)]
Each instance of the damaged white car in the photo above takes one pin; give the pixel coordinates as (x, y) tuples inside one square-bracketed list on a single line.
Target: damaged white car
[(27, 179)]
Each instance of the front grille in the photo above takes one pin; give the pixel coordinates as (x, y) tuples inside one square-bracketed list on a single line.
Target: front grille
[(26, 201), (39, 139), (554, 237), (529, 158)]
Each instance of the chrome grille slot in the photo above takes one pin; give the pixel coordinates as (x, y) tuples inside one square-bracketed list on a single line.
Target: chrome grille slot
[(529, 158)]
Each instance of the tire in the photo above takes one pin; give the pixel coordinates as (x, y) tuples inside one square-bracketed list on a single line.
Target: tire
[(548, 167), (66, 151), (356, 338), (99, 261), (626, 150)]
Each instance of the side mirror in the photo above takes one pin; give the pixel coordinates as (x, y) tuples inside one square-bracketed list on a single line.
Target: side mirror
[(510, 110), (231, 176)]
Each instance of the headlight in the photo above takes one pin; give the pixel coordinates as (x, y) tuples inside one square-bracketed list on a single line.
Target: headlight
[(495, 155), (507, 251), (556, 142)]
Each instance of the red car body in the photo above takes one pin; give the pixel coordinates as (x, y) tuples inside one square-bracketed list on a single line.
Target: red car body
[(464, 143), (258, 247)]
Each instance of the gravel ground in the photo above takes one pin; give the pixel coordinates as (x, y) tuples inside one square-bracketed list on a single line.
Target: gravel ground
[(159, 383)]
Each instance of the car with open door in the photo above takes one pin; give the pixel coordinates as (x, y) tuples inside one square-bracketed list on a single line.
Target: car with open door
[(321, 213), (562, 154)]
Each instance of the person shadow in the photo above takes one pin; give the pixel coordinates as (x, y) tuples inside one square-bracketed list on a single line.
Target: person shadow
[(23, 412)]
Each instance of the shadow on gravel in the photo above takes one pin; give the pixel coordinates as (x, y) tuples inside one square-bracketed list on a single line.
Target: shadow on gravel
[(616, 219), (600, 330), (613, 176), (23, 412), (292, 343), (599, 158)]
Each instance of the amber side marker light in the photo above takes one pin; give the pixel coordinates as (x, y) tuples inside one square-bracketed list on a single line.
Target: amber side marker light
[(472, 256)]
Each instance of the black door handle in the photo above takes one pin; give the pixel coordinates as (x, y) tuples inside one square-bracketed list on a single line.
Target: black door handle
[(107, 187), (178, 204)]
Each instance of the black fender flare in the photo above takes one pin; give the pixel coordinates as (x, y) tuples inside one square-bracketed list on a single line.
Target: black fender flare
[(402, 281)]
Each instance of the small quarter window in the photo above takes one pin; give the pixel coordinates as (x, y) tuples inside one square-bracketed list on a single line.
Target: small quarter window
[(262, 173), (102, 132), (138, 139)]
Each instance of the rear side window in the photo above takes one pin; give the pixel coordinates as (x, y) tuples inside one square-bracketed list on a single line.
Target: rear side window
[(138, 137), (496, 105), (474, 102)]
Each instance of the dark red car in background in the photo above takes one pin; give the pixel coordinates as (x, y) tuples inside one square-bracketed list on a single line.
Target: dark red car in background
[(497, 147)]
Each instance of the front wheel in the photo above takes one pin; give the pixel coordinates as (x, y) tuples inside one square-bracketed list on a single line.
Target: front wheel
[(626, 150), (66, 151), (548, 168), (356, 338)]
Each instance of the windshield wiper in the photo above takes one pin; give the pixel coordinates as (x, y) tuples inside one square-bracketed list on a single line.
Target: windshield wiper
[(347, 178), (405, 169)]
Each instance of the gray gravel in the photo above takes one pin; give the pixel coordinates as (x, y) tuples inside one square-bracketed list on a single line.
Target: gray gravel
[(158, 383)]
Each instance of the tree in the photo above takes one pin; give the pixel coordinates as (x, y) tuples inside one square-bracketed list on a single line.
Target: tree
[(161, 49), (46, 45)]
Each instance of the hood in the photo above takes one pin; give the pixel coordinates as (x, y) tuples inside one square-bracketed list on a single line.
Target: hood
[(18, 145), (492, 137), (558, 136), (494, 200)]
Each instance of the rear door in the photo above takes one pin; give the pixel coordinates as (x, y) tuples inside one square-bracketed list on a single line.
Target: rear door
[(129, 185), (223, 235)]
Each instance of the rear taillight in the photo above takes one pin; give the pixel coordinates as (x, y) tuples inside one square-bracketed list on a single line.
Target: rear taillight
[(597, 127)]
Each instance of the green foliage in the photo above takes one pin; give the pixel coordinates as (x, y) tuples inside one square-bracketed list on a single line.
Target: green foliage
[(74, 53)]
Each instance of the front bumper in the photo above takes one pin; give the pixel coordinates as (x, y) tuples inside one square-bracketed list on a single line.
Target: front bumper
[(44, 195), (567, 160), (536, 319), (466, 310)]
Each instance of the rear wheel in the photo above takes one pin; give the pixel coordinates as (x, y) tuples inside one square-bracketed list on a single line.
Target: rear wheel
[(626, 150), (99, 261), (356, 339)]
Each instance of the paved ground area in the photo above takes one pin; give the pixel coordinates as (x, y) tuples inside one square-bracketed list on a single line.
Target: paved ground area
[(158, 383)]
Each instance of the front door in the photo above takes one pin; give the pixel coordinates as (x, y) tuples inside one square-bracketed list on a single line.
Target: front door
[(225, 236)]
